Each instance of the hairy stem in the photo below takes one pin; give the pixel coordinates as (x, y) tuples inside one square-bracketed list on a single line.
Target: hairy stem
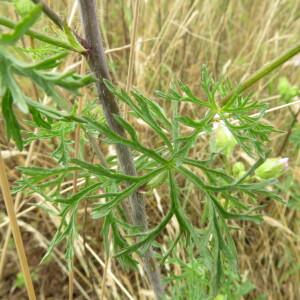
[(97, 62), (261, 73)]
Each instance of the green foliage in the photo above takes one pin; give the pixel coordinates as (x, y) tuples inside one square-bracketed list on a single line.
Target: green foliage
[(72, 39), (22, 27), (12, 125), (167, 162), (193, 280), (11, 68)]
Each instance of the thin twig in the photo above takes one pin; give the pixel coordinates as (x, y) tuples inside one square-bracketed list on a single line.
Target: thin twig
[(16, 205), (50, 13), (55, 18), (15, 230), (132, 53), (107, 262), (76, 155), (262, 72), (132, 48)]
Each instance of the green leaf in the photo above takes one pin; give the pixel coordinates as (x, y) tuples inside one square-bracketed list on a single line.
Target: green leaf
[(102, 171), (80, 195), (185, 224), (104, 209), (72, 39), (45, 172), (150, 236), (48, 63), (120, 242), (145, 109), (66, 230), (127, 127), (12, 126), (189, 96), (22, 27), (227, 215), (210, 87), (70, 80), (53, 113), (117, 139), (8, 81), (39, 36), (203, 166), (39, 121), (62, 152), (156, 110), (189, 122), (202, 185), (147, 116)]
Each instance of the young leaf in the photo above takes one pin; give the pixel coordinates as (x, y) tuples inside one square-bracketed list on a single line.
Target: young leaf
[(185, 224), (80, 195), (8, 81), (102, 171), (22, 27), (38, 119), (12, 125), (72, 39), (104, 209), (150, 236), (49, 63)]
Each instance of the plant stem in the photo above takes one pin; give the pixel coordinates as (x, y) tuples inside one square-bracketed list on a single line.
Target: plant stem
[(39, 36), (50, 13), (76, 155), (288, 134), (261, 73), (97, 62), (54, 17), (15, 230), (17, 207)]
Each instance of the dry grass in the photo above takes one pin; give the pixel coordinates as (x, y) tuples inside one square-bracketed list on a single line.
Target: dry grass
[(173, 39)]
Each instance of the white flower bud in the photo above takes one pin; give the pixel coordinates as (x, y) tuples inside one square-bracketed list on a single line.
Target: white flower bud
[(272, 168), (223, 140)]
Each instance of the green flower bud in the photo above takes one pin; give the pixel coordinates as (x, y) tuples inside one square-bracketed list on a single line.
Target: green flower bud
[(238, 169), (272, 168), (223, 140)]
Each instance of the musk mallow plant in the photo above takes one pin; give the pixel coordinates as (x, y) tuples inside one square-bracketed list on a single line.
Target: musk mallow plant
[(231, 118)]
